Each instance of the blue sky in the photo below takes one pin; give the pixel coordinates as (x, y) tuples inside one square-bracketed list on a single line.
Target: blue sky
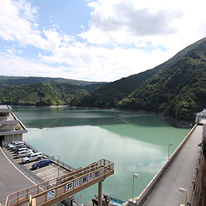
[(94, 40)]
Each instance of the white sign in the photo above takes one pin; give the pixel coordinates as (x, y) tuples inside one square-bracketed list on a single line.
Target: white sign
[(69, 186), (76, 182), (51, 194)]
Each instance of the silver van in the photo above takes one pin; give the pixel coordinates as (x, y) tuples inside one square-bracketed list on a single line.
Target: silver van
[(24, 153)]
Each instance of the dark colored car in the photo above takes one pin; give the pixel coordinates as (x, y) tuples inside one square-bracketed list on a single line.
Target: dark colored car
[(41, 163)]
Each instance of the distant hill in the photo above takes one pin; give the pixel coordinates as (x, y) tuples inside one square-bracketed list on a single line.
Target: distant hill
[(111, 94), (43, 90), (6, 81), (176, 88), (41, 94), (178, 91)]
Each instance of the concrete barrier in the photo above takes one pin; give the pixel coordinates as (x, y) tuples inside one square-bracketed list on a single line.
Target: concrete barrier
[(153, 183)]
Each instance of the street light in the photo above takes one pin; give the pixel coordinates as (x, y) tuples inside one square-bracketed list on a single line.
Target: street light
[(134, 176), (183, 190), (58, 164), (170, 144)]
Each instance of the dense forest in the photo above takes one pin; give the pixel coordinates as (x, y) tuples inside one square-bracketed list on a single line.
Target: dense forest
[(178, 91), (43, 94), (175, 88), (110, 95)]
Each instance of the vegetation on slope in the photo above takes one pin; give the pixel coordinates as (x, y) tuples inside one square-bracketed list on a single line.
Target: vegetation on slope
[(109, 96), (40, 94), (176, 88), (6, 81), (179, 91)]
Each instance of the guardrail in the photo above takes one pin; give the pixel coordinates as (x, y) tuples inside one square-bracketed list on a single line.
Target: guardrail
[(68, 184), (56, 161), (151, 186)]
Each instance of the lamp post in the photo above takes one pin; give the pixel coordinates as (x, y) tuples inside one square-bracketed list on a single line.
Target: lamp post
[(183, 190), (58, 164), (170, 144), (134, 176)]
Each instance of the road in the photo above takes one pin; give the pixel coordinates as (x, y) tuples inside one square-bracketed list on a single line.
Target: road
[(180, 174), (15, 176), (11, 178)]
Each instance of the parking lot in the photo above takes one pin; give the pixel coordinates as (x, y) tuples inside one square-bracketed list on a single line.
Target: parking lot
[(39, 175)]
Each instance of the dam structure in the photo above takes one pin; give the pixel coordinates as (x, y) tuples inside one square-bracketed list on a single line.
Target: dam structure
[(176, 182)]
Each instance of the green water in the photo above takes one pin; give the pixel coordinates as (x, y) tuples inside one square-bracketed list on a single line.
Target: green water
[(136, 143)]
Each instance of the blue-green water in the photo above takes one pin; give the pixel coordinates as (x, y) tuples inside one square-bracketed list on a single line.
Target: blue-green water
[(136, 143)]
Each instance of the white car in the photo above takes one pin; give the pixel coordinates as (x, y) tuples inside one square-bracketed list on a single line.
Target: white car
[(24, 153), (10, 145), (14, 144), (32, 157)]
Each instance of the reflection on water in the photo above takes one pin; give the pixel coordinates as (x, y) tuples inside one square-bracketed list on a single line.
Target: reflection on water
[(137, 143)]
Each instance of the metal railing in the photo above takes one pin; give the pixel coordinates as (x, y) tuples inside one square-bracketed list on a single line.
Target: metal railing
[(154, 182), (56, 161), (69, 182)]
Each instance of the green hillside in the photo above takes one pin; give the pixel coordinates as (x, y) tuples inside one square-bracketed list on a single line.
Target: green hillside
[(41, 94), (108, 96), (13, 80), (178, 91), (176, 88)]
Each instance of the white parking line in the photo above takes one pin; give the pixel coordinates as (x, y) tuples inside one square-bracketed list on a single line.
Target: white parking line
[(17, 168), (45, 177), (45, 171)]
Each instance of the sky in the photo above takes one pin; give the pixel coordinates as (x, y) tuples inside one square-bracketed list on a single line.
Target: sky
[(95, 40)]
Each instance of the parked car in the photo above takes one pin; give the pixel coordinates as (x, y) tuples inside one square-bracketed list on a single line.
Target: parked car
[(32, 157), (41, 163), (10, 146), (24, 153), (18, 146), (17, 142), (21, 149), (14, 144)]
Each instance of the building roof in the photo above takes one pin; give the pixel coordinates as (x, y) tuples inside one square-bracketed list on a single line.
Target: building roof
[(5, 108)]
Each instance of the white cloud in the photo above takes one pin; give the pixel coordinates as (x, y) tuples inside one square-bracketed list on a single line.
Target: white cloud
[(124, 38), (115, 21)]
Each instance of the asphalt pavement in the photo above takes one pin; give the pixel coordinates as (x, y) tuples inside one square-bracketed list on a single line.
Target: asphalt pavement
[(180, 174), (11, 178)]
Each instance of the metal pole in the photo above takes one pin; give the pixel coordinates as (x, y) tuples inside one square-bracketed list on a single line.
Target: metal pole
[(169, 150), (58, 164), (183, 190), (134, 176), (185, 197), (133, 189)]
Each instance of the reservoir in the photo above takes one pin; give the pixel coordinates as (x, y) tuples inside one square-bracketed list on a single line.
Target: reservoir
[(137, 143)]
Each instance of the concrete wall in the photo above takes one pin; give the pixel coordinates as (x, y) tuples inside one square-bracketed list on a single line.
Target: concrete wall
[(151, 186), (199, 198)]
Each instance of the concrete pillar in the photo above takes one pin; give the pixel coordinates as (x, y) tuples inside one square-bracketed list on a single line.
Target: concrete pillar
[(100, 194)]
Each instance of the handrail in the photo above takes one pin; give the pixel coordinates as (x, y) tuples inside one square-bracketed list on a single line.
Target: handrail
[(58, 162), (76, 178), (152, 184)]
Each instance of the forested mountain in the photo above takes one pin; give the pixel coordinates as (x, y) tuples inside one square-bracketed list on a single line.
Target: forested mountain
[(176, 88), (13, 80), (41, 94), (111, 94), (178, 91)]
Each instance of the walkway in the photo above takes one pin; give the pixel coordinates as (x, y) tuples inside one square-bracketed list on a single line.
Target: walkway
[(180, 174), (11, 179)]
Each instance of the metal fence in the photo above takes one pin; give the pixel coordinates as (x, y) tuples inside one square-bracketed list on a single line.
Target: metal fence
[(69, 182), (55, 160)]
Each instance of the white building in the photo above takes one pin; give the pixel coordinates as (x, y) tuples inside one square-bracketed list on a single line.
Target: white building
[(11, 128)]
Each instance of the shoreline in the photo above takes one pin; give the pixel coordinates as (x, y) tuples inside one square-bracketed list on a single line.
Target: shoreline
[(177, 123)]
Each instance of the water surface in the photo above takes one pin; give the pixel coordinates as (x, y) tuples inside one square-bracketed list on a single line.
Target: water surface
[(136, 143)]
